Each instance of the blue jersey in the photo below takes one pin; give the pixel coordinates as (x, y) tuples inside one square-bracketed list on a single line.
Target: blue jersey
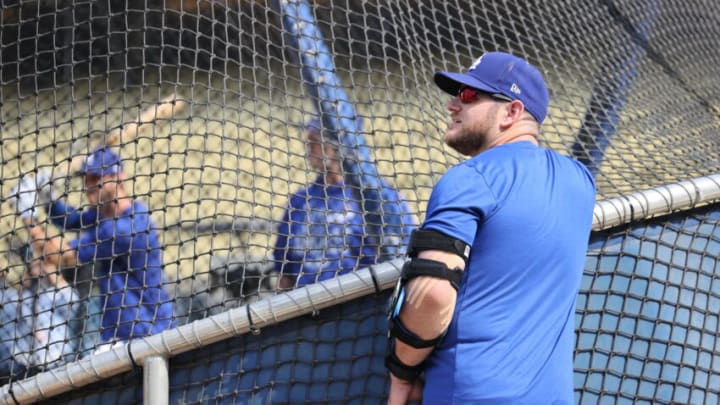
[(527, 213), (322, 234), (127, 252)]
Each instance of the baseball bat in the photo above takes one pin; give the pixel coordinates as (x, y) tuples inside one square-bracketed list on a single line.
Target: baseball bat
[(163, 109)]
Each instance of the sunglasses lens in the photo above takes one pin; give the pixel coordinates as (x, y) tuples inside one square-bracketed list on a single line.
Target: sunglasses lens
[(467, 95)]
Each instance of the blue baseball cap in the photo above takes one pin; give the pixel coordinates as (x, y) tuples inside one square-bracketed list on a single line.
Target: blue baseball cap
[(501, 73), (102, 162)]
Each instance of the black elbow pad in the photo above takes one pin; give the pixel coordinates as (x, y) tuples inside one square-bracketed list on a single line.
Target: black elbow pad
[(426, 239)]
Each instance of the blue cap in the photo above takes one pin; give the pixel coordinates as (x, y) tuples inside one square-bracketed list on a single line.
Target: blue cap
[(499, 72), (102, 162)]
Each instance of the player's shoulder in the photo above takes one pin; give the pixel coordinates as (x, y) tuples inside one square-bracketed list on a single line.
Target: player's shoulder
[(463, 172), (133, 219), (573, 165), (299, 198)]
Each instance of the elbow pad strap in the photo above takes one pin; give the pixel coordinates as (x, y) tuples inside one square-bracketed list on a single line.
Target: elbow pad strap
[(400, 369), (399, 331), (424, 267), (427, 239)]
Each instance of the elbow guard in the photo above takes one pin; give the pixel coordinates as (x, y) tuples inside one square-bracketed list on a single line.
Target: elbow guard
[(396, 329), (415, 268), (426, 239), (420, 240)]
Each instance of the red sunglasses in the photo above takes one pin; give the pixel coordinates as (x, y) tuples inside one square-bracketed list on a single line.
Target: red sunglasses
[(468, 95)]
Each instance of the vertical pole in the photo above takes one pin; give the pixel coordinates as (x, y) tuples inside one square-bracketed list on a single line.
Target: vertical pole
[(383, 214), (156, 383), (612, 87)]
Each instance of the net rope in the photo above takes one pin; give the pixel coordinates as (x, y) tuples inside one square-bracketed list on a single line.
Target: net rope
[(633, 92)]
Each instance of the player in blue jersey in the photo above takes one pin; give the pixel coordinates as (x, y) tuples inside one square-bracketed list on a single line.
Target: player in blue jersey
[(485, 310), (322, 233), (117, 235)]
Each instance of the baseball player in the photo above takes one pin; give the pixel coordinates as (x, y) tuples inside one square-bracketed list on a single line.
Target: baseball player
[(485, 308), (322, 233), (117, 235)]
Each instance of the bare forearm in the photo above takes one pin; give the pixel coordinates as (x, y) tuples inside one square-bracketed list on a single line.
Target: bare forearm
[(52, 248), (38, 236)]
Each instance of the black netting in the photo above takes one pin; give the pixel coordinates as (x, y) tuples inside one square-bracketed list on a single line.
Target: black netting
[(633, 91), (647, 317)]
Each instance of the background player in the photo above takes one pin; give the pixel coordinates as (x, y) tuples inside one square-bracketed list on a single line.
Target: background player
[(322, 233), (117, 235)]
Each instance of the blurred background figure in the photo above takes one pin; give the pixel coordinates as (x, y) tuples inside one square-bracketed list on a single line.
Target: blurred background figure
[(40, 322), (234, 279), (10, 368), (49, 309), (323, 232), (117, 236)]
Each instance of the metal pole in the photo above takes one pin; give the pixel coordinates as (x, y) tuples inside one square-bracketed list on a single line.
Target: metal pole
[(614, 84), (383, 213), (156, 382), (657, 201)]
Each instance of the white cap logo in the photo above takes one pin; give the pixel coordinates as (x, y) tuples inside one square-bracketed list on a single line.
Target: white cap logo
[(476, 63), (515, 89)]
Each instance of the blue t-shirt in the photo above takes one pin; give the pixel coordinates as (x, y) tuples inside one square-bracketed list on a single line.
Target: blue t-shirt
[(128, 253), (322, 234), (527, 212)]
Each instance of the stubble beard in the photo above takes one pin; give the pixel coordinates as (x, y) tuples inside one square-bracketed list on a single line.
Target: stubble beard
[(475, 134), (468, 141)]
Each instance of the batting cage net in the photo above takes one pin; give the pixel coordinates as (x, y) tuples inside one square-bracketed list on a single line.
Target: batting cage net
[(200, 111)]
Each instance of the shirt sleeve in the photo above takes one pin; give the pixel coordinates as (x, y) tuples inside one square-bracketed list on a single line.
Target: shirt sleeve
[(85, 246), (282, 253), (105, 241), (459, 203), (70, 218), (140, 248)]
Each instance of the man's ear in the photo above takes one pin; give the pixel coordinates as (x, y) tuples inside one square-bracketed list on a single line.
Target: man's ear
[(514, 112), (516, 109)]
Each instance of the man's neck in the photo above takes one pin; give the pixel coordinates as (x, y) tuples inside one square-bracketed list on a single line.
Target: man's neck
[(124, 204), (116, 208), (523, 131), (333, 178), (518, 138)]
